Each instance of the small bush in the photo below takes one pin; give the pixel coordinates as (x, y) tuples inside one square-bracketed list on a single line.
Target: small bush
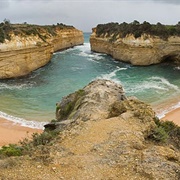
[(166, 131), (38, 139), (43, 138), (159, 134), (2, 37), (11, 150), (27, 145)]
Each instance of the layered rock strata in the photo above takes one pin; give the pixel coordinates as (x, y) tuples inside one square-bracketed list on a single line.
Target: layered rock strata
[(24, 53), (144, 50)]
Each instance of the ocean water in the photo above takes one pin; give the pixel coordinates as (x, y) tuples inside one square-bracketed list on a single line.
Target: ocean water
[(31, 100)]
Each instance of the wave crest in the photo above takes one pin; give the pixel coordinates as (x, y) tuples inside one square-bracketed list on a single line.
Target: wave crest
[(23, 122)]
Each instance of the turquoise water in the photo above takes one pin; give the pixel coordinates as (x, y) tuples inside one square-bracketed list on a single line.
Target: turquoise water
[(32, 99)]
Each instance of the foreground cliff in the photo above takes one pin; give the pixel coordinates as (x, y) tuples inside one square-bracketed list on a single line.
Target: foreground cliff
[(24, 48), (102, 135), (138, 44)]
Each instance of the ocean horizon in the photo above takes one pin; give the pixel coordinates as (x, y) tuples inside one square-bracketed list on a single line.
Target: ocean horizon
[(31, 100)]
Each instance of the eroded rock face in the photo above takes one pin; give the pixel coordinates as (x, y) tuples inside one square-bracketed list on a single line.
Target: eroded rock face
[(102, 99), (91, 102), (23, 54), (145, 50)]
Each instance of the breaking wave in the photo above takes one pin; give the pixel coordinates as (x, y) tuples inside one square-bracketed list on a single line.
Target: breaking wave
[(112, 75), (159, 84), (166, 111), (23, 122), (18, 86)]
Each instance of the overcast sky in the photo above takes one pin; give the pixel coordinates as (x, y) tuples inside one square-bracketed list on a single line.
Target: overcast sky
[(85, 14)]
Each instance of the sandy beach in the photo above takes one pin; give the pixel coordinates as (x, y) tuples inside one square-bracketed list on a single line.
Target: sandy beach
[(12, 133), (173, 116)]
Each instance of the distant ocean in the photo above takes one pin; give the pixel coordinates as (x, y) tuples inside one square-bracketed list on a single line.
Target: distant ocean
[(31, 100)]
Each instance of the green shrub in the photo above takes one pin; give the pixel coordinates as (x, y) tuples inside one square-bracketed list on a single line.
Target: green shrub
[(43, 138), (11, 150), (159, 134), (38, 139), (166, 131), (137, 29), (2, 37), (27, 29)]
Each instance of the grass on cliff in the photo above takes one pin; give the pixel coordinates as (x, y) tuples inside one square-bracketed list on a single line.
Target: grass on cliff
[(27, 145), (166, 132), (70, 106), (6, 28), (115, 30)]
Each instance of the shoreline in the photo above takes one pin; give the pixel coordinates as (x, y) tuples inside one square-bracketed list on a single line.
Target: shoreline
[(12, 133), (173, 115)]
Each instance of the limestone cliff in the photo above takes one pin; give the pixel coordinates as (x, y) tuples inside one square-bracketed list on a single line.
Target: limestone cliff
[(29, 47), (145, 48), (102, 135)]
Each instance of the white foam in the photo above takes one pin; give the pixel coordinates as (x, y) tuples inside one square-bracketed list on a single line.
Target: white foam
[(76, 68), (178, 68), (166, 111), (140, 87), (112, 76), (23, 122), (165, 82), (83, 51), (113, 73), (158, 84), (83, 48), (90, 59), (86, 52), (64, 51), (17, 86)]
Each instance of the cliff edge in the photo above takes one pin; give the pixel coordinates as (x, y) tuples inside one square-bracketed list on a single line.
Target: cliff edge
[(24, 47), (138, 44), (102, 135)]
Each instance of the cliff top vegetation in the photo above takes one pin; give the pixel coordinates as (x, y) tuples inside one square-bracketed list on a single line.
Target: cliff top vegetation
[(6, 28), (137, 29)]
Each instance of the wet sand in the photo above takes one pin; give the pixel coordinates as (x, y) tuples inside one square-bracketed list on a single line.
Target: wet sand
[(12, 133), (173, 116)]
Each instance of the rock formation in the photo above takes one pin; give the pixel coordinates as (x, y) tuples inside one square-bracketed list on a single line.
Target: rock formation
[(145, 49), (103, 135), (107, 136), (30, 47)]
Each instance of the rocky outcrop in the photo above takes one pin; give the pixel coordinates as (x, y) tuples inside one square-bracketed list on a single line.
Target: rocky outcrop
[(91, 102), (103, 135), (143, 50), (24, 53), (107, 136)]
